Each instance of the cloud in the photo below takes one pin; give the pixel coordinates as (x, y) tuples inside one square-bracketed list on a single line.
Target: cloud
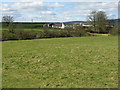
[(35, 7), (31, 0), (22, 0), (96, 6), (61, 0), (82, 10), (94, 0), (103, 6), (101, 10), (55, 11)]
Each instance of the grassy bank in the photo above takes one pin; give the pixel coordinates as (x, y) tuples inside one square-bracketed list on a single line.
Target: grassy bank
[(77, 62)]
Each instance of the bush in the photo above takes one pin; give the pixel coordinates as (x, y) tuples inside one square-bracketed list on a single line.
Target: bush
[(40, 34), (11, 27), (80, 31), (46, 31), (114, 30), (6, 35), (63, 33), (17, 32), (20, 33)]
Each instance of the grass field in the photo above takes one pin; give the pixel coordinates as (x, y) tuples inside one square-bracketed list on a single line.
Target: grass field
[(77, 62), (27, 29), (33, 29), (26, 26)]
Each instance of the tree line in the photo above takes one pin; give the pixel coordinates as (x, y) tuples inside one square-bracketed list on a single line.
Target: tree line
[(98, 20), (17, 32)]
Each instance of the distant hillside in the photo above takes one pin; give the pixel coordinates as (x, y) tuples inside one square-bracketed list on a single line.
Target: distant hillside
[(111, 21), (114, 21), (76, 22)]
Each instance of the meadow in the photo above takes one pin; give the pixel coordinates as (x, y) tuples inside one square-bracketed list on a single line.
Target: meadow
[(74, 62), (25, 26)]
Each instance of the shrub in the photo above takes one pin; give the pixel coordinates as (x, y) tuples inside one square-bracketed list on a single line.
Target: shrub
[(63, 33), (11, 27), (30, 34), (20, 33), (79, 31), (17, 32), (114, 30), (40, 34), (46, 31), (6, 35)]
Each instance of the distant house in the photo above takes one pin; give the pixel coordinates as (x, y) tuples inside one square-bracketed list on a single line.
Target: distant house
[(61, 25), (56, 25), (85, 25), (67, 25)]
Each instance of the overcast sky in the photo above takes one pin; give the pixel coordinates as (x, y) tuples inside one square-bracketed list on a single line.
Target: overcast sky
[(56, 10)]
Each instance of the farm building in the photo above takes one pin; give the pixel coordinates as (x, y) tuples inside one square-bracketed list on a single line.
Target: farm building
[(67, 25), (56, 25), (61, 25)]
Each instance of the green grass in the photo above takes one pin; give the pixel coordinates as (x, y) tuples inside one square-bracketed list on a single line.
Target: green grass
[(27, 29), (34, 29), (77, 62), (26, 26)]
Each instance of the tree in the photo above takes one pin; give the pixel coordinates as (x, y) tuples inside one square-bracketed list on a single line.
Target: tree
[(7, 19), (99, 21), (46, 30), (11, 27), (92, 19), (114, 30)]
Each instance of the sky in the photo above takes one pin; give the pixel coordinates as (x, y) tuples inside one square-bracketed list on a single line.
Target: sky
[(56, 10)]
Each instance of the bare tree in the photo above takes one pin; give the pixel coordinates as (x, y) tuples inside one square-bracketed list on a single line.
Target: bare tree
[(92, 19), (99, 20), (7, 19)]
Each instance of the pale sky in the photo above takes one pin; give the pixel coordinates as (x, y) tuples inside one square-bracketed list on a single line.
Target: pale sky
[(56, 10)]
